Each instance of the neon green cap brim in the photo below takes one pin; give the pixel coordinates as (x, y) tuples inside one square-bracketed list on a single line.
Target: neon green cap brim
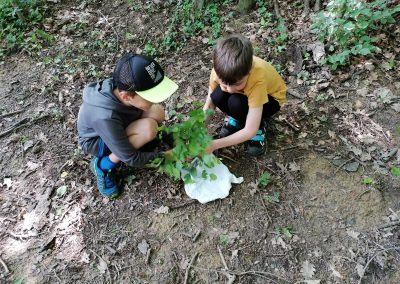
[(161, 92)]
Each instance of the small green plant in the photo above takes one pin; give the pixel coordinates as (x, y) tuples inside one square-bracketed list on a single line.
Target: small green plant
[(395, 171), (367, 180), (20, 26), (346, 27), (191, 138), (286, 231), (274, 198), (223, 240), (149, 49), (265, 15), (264, 179)]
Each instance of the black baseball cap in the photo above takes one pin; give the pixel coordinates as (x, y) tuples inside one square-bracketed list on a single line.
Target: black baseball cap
[(143, 75)]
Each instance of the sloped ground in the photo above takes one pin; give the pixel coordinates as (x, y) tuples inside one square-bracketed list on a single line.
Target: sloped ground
[(323, 224)]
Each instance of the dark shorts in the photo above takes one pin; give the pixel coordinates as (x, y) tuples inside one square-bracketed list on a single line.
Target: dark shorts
[(94, 146)]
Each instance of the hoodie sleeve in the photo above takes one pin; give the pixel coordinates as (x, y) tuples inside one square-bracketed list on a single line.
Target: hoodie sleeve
[(114, 136)]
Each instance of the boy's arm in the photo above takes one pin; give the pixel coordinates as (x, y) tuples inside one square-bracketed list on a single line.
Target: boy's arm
[(209, 103), (253, 121)]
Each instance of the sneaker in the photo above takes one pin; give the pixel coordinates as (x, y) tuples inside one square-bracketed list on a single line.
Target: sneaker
[(256, 146), (230, 127), (105, 180)]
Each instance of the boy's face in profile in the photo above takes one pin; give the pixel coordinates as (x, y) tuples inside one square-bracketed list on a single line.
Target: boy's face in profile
[(133, 99), (234, 88)]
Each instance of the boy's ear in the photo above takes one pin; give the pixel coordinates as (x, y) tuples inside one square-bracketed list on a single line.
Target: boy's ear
[(126, 95)]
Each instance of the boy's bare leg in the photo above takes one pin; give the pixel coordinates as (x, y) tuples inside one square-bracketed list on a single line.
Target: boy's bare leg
[(143, 130)]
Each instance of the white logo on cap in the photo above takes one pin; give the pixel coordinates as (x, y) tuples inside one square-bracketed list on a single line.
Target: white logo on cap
[(151, 69)]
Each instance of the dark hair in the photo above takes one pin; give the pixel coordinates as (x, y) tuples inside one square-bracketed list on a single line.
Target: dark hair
[(233, 58)]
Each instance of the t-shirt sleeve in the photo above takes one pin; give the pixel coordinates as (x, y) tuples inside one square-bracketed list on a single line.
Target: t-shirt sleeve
[(266, 81), (213, 80), (114, 136)]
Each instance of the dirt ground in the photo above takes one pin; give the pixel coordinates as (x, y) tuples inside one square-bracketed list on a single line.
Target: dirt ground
[(335, 213)]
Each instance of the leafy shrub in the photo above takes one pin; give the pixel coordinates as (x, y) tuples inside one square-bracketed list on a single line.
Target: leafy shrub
[(187, 21), (346, 27), (191, 138), (20, 25)]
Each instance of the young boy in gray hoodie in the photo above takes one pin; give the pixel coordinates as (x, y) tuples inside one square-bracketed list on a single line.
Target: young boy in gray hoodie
[(119, 115)]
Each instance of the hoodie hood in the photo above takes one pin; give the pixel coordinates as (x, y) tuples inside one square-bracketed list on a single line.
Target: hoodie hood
[(100, 94)]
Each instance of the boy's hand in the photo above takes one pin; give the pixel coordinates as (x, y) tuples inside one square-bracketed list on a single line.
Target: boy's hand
[(210, 148)]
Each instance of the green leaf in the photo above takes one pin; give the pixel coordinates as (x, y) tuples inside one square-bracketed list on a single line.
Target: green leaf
[(365, 51), (61, 190), (204, 174), (213, 177), (130, 179), (17, 281), (395, 171), (287, 231), (367, 180)]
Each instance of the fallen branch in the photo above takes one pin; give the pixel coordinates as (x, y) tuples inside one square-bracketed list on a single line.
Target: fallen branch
[(295, 94), (371, 259), (391, 224), (4, 266), (276, 9), (231, 278), (24, 122), (12, 113), (188, 268)]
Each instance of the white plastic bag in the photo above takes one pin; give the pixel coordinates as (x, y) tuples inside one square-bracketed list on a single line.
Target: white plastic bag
[(206, 190)]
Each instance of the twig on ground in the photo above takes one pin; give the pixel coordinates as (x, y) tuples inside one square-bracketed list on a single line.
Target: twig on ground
[(148, 256), (276, 9), (341, 165), (24, 122), (58, 278), (231, 278), (291, 125), (194, 239), (228, 158), (189, 266), (295, 94), (4, 266), (391, 224), (115, 32), (252, 272), (12, 113), (371, 259), (182, 205)]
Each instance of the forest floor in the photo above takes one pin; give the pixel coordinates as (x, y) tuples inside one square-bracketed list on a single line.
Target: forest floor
[(331, 210)]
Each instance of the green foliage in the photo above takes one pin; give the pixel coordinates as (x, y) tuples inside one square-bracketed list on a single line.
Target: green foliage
[(346, 27), (395, 171), (20, 26), (223, 240), (275, 198), (265, 15), (367, 181), (264, 179), (286, 231), (188, 21), (191, 138)]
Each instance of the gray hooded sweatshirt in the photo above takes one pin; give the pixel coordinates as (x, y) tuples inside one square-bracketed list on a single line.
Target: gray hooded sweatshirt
[(103, 115)]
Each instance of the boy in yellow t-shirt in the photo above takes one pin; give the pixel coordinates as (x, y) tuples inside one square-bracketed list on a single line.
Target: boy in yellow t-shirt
[(248, 89)]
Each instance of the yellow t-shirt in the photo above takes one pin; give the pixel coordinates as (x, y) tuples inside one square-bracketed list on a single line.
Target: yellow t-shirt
[(263, 80)]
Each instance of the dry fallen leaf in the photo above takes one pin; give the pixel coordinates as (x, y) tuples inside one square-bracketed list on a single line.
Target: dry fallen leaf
[(353, 234), (7, 182), (307, 269), (143, 247), (162, 210), (102, 266)]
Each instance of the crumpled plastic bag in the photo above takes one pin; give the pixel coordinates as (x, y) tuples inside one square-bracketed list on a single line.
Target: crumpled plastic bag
[(206, 190)]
